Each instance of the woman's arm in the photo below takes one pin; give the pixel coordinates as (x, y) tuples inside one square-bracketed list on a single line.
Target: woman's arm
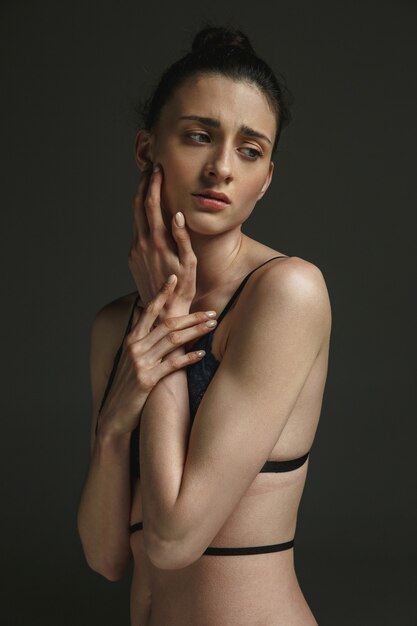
[(190, 488), (164, 436), (103, 515), (104, 510)]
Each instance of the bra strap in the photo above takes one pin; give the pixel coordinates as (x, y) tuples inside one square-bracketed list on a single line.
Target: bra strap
[(116, 360), (242, 284)]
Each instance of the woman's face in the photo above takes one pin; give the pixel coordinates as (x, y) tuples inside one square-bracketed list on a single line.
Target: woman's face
[(214, 135)]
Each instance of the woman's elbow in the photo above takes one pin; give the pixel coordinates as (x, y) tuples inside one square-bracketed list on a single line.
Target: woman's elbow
[(170, 557), (111, 569), (110, 565)]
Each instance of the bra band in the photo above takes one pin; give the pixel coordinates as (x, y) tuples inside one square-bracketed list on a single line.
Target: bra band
[(134, 527), (284, 466), (116, 361), (276, 547)]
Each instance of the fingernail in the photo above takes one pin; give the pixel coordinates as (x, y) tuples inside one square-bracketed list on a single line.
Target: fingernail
[(171, 278), (201, 353), (210, 313), (179, 219), (157, 168)]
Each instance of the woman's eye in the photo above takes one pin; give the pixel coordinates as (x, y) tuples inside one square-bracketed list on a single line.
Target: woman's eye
[(200, 137), (252, 152)]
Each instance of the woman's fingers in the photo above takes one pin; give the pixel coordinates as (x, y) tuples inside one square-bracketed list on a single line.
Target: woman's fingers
[(142, 327), (182, 239), (174, 363), (170, 334), (153, 204), (198, 324), (166, 338), (140, 223)]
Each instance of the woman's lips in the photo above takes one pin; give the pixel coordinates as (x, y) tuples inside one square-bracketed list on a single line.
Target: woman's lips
[(210, 203)]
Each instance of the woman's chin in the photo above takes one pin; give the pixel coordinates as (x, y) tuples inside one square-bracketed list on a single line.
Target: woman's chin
[(198, 227), (196, 222)]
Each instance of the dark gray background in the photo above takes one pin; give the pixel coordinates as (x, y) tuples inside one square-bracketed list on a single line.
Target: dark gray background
[(343, 197)]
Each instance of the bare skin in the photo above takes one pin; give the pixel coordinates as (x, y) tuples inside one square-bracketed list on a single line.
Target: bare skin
[(247, 590)]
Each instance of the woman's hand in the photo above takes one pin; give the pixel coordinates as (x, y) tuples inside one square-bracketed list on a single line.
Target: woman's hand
[(155, 253), (141, 365)]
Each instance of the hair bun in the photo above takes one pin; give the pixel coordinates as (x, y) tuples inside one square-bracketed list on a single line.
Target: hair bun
[(217, 37)]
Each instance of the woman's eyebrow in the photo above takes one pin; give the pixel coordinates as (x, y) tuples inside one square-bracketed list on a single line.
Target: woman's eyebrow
[(209, 121), (247, 130)]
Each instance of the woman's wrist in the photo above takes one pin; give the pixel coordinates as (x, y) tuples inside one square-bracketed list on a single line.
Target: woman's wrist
[(110, 430), (174, 311)]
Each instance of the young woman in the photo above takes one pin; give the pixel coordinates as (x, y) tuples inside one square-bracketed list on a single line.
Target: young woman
[(227, 415)]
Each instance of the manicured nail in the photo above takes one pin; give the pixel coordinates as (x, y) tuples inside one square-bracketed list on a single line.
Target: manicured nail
[(157, 168), (171, 278), (201, 353), (179, 219), (210, 313)]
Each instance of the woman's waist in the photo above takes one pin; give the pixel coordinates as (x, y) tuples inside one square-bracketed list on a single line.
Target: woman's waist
[(244, 589)]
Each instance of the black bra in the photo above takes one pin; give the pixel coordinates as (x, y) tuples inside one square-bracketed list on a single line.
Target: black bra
[(199, 375)]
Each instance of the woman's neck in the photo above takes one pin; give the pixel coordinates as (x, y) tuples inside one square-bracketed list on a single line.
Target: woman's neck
[(218, 259)]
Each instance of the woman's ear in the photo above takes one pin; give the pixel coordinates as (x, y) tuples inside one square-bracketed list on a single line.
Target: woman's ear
[(143, 149), (267, 180)]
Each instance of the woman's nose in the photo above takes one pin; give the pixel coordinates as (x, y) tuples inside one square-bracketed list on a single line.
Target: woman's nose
[(219, 165)]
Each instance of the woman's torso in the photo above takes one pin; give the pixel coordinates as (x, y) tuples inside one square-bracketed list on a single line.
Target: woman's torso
[(243, 589)]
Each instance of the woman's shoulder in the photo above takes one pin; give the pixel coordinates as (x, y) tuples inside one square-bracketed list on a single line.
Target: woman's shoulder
[(295, 268), (116, 310), (292, 279), (289, 284), (286, 268), (107, 331), (256, 252), (111, 320), (294, 276)]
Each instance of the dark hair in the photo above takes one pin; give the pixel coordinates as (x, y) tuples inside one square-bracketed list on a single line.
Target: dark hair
[(217, 50)]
